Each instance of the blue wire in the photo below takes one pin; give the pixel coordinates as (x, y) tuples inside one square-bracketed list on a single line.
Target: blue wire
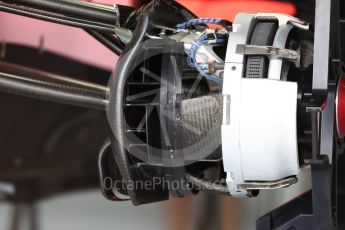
[(196, 44), (202, 72), (202, 40), (199, 21), (192, 58)]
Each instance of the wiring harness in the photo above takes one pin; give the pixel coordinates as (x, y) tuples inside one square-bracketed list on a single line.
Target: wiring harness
[(208, 37), (201, 21), (192, 56)]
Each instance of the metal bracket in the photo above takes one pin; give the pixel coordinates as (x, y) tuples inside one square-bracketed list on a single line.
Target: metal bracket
[(269, 185), (315, 113), (269, 51), (286, 19)]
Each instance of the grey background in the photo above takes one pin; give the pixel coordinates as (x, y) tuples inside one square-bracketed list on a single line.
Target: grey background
[(88, 210)]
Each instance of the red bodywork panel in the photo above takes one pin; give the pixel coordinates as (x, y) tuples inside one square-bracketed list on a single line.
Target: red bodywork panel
[(227, 9), (75, 43), (340, 107)]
